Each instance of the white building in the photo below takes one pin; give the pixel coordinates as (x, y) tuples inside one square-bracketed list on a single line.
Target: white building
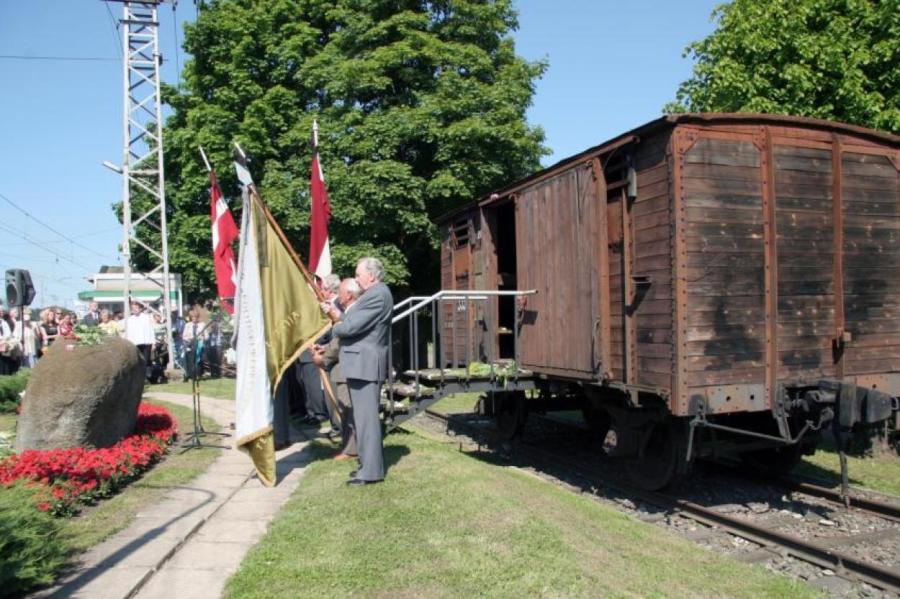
[(109, 284)]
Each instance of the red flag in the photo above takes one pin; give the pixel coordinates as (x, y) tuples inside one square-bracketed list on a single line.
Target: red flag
[(224, 232), (319, 216)]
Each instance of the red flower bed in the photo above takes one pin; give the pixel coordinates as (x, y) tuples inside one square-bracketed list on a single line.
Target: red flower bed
[(66, 477)]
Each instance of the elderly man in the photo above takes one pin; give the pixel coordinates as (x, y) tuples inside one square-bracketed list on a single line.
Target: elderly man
[(328, 357), (363, 334)]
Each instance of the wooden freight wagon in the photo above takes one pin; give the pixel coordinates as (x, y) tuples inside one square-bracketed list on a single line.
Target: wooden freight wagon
[(727, 277)]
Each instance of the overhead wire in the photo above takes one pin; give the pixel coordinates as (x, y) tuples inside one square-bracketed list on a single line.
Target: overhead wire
[(24, 236), (49, 228), (115, 25)]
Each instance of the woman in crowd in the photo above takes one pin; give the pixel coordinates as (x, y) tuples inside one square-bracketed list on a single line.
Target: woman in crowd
[(31, 336), (66, 327), (48, 328), (107, 325), (194, 335)]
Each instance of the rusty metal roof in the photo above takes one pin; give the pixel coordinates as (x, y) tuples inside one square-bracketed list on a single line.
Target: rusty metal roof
[(670, 121)]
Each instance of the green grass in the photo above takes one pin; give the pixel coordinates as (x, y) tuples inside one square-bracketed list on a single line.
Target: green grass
[(455, 404), (108, 517), (879, 473), (445, 524), (220, 388)]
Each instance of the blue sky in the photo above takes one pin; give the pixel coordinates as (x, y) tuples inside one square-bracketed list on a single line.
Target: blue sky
[(612, 67)]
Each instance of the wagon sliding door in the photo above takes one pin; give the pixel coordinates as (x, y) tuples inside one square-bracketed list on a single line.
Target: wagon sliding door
[(870, 192), (557, 254)]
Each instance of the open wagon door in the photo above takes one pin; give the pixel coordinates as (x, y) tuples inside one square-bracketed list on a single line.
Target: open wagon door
[(558, 254)]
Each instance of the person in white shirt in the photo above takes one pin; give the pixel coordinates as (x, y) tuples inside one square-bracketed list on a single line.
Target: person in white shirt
[(139, 330), (28, 349)]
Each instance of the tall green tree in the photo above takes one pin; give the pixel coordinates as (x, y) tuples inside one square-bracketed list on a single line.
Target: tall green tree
[(830, 59), (421, 108)]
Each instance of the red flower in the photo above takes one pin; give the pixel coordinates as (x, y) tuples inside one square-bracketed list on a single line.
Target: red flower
[(76, 474)]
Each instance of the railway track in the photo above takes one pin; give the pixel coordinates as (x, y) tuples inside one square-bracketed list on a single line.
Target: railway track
[(759, 538)]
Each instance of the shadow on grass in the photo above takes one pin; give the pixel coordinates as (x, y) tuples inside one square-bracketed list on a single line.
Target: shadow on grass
[(320, 448), (589, 470)]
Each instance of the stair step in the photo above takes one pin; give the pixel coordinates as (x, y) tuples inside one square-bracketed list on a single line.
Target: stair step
[(457, 374), (409, 390)]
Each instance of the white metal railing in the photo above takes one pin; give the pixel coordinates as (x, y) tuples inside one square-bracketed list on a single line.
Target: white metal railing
[(434, 302)]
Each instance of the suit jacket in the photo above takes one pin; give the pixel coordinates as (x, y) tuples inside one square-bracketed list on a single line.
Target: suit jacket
[(363, 333), (91, 319)]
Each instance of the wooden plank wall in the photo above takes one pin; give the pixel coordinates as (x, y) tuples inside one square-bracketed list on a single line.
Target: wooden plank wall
[(555, 255), (804, 215), (722, 195), (871, 195), (651, 218)]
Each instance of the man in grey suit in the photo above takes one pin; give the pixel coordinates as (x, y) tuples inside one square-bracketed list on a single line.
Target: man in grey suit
[(328, 357), (363, 336)]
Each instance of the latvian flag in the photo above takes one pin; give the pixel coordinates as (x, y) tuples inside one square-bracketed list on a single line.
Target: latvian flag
[(224, 232), (319, 216)]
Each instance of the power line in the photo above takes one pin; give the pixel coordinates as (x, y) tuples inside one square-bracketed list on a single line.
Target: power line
[(46, 249), (49, 228), (115, 25), (65, 58)]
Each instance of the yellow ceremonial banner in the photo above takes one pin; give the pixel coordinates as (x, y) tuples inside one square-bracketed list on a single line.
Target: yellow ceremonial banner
[(293, 318), (277, 316)]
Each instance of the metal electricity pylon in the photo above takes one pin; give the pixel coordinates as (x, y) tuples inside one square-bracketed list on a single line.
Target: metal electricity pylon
[(142, 162)]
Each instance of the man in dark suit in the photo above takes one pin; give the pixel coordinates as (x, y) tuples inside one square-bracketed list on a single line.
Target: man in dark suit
[(92, 318), (363, 336)]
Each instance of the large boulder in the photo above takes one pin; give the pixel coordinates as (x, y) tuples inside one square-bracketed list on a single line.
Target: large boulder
[(82, 396)]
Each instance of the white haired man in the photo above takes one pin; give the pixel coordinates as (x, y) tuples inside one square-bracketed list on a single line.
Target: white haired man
[(328, 357), (363, 336)]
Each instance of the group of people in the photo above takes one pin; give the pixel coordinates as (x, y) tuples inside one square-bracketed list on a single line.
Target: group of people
[(347, 365), (23, 341), (197, 339)]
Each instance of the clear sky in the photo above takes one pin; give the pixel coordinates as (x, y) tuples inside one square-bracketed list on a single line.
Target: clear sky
[(612, 67)]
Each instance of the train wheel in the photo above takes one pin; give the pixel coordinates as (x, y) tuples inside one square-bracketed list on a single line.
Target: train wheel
[(661, 461), (510, 413)]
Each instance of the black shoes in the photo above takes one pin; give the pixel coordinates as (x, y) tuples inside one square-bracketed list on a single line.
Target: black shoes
[(358, 482), (283, 445)]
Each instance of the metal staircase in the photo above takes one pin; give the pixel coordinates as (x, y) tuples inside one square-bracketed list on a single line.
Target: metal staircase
[(475, 367)]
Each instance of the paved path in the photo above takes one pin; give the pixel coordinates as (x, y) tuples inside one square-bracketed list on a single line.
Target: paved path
[(188, 545)]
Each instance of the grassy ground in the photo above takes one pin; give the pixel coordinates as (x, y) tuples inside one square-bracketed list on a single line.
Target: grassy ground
[(881, 473), (7, 433), (108, 517), (221, 388), (445, 524)]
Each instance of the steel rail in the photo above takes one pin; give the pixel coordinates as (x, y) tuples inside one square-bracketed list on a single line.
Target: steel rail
[(875, 506), (799, 548)]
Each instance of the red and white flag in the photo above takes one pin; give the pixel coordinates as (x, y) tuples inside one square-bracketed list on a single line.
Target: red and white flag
[(224, 232), (319, 216)]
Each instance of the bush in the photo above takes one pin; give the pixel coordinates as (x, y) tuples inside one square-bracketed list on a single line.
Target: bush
[(30, 548), (10, 387)]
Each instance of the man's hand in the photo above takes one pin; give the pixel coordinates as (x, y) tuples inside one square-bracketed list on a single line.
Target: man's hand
[(329, 309), (318, 352)]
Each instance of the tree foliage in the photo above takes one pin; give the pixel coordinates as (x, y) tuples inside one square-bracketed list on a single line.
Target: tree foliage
[(830, 59), (421, 107)]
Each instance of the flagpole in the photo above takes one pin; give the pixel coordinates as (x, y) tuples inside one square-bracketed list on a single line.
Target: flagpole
[(284, 240), (205, 160)]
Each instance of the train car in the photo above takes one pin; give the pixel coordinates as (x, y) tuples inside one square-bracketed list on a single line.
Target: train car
[(718, 284)]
